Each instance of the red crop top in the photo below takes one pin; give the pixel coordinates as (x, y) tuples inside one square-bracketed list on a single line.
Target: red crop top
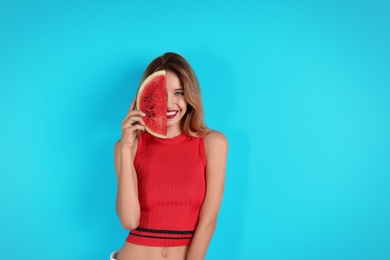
[(171, 189)]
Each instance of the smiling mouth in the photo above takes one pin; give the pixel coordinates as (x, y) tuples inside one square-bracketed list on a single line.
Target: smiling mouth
[(171, 114)]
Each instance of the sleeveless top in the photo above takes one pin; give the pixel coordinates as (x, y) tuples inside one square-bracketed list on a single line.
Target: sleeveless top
[(171, 189)]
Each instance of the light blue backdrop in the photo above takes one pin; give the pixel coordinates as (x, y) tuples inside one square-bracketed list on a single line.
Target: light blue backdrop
[(300, 89)]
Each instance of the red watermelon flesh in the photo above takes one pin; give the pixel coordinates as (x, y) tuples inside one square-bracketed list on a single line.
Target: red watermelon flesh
[(152, 100)]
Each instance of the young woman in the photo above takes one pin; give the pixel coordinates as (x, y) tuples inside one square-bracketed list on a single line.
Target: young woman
[(170, 190)]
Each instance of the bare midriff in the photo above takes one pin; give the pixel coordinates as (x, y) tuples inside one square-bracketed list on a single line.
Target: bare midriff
[(136, 252)]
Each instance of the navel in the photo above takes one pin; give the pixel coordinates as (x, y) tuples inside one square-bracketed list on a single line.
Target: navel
[(164, 252)]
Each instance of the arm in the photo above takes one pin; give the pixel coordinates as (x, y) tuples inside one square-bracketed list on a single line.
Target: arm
[(216, 147), (127, 203)]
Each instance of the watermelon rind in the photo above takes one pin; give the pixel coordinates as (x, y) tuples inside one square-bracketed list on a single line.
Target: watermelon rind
[(139, 94)]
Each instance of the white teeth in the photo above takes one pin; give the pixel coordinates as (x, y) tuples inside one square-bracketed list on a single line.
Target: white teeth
[(171, 113)]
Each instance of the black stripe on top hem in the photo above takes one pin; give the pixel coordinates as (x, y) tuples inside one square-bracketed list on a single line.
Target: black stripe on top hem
[(160, 231), (160, 237)]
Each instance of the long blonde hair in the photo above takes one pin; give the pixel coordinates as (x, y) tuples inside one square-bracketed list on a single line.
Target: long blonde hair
[(193, 122)]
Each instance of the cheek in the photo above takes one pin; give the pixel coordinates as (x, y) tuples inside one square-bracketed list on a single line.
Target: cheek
[(183, 104)]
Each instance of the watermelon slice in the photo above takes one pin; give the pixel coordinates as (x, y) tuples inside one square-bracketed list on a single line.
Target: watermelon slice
[(152, 100)]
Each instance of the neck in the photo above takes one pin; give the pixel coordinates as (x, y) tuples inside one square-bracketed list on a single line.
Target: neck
[(172, 132)]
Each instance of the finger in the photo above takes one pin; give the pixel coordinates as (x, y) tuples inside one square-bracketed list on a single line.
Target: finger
[(133, 113), (139, 127), (132, 121), (133, 128), (139, 131)]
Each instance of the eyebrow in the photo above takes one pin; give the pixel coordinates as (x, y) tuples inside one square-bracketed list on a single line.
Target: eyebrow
[(178, 89)]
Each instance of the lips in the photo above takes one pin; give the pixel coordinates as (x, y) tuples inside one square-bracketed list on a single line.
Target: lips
[(171, 114)]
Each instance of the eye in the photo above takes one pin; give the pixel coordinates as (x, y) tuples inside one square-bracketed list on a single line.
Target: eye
[(179, 93)]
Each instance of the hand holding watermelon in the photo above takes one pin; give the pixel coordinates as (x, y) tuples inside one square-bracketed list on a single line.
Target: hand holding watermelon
[(132, 125)]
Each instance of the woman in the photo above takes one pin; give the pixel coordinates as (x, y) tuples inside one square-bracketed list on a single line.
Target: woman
[(170, 190)]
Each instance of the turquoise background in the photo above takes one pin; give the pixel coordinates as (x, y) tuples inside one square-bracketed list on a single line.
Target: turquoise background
[(300, 89)]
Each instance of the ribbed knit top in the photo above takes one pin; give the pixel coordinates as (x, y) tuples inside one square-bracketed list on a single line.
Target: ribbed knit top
[(171, 189)]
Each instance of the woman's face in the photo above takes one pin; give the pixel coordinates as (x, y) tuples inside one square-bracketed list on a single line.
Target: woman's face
[(176, 102)]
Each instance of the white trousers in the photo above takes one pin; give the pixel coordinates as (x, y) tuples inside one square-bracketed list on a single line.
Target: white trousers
[(114, 255)]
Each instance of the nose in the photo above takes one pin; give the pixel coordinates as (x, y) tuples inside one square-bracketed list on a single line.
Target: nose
[(169, 100)]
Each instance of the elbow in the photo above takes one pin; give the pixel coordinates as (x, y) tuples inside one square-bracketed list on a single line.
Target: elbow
[(209, 227), (129, 224), (128, 218), (129, 221), (212, 227)]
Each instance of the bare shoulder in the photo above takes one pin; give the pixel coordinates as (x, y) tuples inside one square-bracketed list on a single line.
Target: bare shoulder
[(215, 141), (216, 149)]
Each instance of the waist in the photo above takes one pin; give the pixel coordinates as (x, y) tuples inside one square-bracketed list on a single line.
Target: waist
[(131, 251)]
